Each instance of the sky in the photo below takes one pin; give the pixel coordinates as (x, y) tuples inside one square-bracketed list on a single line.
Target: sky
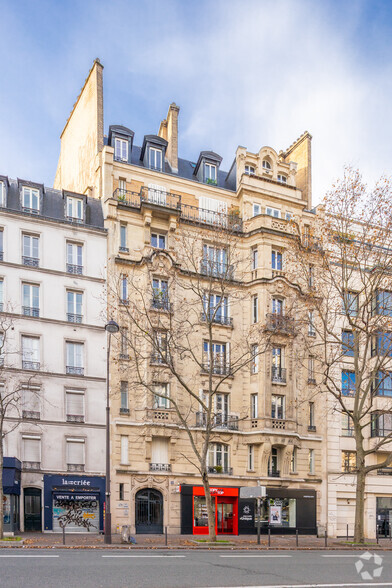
[(247, 72)]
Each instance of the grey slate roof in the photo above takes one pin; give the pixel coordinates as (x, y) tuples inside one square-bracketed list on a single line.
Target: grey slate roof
[(52, 203)]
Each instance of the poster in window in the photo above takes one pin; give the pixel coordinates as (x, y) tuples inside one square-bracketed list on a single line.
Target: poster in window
[(275, 515)]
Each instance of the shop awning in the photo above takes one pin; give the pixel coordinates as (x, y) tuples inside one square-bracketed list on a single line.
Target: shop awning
[(11, 476)]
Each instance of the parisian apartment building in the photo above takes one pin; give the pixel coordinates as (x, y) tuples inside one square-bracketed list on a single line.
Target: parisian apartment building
[(270, 427), (52, 288)]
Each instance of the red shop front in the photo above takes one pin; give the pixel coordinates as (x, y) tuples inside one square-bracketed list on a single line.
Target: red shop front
[(225, 503)]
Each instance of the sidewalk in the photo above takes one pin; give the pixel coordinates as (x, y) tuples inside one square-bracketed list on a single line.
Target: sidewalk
[(86, 540)]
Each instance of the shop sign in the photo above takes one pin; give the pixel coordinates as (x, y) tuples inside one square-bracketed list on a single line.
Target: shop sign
[(246, 513), (80, 482)]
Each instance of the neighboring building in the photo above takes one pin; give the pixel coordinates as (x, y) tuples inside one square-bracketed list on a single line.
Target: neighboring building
[(274, 434), (52, 286)]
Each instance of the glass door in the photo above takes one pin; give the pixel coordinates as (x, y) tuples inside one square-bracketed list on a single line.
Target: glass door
[(225, 516)]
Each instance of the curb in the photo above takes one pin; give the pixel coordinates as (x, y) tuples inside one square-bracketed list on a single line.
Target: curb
[(203, 548)]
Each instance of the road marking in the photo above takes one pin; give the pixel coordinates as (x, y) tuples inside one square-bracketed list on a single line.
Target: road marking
[(357, 556), (29, 556), (255, 556), (349, 585), (166, 556)]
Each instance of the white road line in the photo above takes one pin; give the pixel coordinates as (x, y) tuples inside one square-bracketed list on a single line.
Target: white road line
[(29, 556), (165, 556), (349, 585), (255, 556), (357, 556)]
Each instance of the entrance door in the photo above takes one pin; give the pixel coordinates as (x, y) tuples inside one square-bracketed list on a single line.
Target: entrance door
[(32, 509), (149, 511), (225, 516)]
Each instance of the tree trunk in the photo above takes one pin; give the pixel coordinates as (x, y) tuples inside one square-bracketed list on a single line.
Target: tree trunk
[(359, 506), (1, 490), (210, 509)]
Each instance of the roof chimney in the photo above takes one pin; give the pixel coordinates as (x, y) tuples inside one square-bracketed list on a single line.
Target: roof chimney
[(172, 136)]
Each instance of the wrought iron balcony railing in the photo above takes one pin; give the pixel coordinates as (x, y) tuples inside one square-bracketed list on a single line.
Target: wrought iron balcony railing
[(74, 269), (278, 375), (75, 418), (273, 473), (216, 269), (161, 303), (218, 469), (31, 465), (280, 323), (31, 414), (30, 365), (74, 318), (219, 421), (74, 371), (218, 319), (218, 368), (30, 261), (160, 467), (75, 467), (30, 311)]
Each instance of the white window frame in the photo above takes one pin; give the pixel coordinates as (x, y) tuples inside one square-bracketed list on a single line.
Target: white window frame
[(120, 149), (75, 254), (210, 172), (255, 358), (254, 406), (75, 209), (33, 353), (28, 196), (255, 309), (30, 298), (250, 170), (154, 158), (251, 457), (278, 402), (255, 258), (277, 253), (282, 178), (124, 288), (219, 452), (124, 449), (256, 209), (161, 401), (3, 200), (72, 305), (123, 237), (158, 237), (124, 395), (311, 461), (267, 165), (30, 245), (75, 358), (275, 212)]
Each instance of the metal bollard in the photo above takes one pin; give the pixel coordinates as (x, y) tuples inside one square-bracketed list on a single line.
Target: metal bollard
[(165, 535), (63, 534), (269, 537), (347, 531), (377, 537), (326, 538), (296, 537)]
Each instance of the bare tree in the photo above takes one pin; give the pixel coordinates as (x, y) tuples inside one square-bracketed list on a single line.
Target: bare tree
[(343, 266), (173, 333)]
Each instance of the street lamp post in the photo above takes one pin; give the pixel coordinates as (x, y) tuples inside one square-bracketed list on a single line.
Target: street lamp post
[(111, 327)]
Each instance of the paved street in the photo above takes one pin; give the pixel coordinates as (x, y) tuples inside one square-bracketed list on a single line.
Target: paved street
[(183, 569)]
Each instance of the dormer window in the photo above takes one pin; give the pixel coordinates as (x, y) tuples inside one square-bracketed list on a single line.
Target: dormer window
[(2, 195), (282, 179), (250, 170), (155, 159), (266, 164), (74, 209), (210, 174), (120, 149), (30, 200)]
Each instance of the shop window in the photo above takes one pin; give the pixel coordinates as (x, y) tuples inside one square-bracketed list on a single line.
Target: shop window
[(200, 515), (279, 512)]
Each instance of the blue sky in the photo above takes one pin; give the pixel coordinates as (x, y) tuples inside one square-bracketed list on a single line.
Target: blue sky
[(249, 72)]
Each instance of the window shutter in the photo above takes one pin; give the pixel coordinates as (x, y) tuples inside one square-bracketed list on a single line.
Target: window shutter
[(32, 449), (75, 403), (124, 449), (75, 451), (30, 399), (160, 450)]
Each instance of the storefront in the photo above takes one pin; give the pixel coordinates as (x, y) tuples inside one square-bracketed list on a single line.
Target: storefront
[(74, 502), (11, 494), (283, 511), (384, 515)]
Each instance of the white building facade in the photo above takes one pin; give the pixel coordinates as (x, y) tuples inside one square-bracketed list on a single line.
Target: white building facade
[(52, 288)]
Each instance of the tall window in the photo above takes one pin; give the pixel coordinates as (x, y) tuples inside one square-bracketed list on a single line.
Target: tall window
[(75, 360), (348, 383), (155, 159), (348, 343), (347, 425), (124, 343), (75, 454), (124, 449), (74, 406), (382, 303), (255, 258), (221, 409), (218, 457), (124, 289), (2, 195), (277, 306), (254, 406), (311, 461), (31, 402), (74, 306), (255, 358), (30, 200), (160, 350), (311, 276), (278, 371), (1, 295), (272, 211), (277, 407), (124, 400), (214, 262), (158, 241), (160, 294), (161, 396), (382, 344), (311, 373), (273, 463), (1, 244), (75, 209), (255, 308), (74, 258), (31, 452), (381, 424), (120, 149), (249, 170), (350, 303), (220, 362), (210, 173), (30, 250), (123, 238), (216, 308), (311, 327), (30, 297), (276, 260), (311, 415), (293, 461), (349, 461), (382, 385), (251, 458), (122, 187), (30, 353)]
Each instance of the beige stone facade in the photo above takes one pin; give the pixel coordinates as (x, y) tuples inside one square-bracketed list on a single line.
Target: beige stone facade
[(261, 192)]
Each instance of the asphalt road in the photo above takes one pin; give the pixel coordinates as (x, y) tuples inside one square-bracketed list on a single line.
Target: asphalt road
[(194, 569)]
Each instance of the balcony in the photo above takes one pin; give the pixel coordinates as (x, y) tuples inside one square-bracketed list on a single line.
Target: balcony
[(312, 429), (219, 368), (75, 269), (161, 415), (1, 255), (218, 220), (278, 424), (218, 319), (74, 318), (160, 467), (75, 418), (31, 414), (123, 249), (158, 359), (221, 470), (312, 381), (74, 371), (385, 471), (124, 410), (31, 465), (75, 467), (30, 210), (124, 356), (218, 421), (273, 473), (75, 219), (30, 261), (30, 365), (278, 375), (30, 311), (280, 323), (161, 303), (160, 198), (216, 269)]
